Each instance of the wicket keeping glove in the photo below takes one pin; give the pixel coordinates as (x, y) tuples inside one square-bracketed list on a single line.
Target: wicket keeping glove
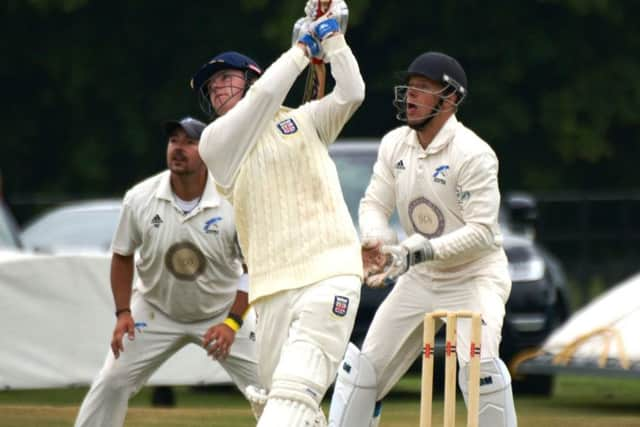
[(413, 250)]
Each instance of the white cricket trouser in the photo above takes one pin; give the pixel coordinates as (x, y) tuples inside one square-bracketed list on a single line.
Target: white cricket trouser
[(315, 315), (119, 379), (394, 339)]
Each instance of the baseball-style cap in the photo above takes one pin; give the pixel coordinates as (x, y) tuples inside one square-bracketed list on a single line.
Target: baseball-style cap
[(192, 127)]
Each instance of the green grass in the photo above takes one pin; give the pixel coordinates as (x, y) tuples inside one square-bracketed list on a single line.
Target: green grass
[(577, 401)]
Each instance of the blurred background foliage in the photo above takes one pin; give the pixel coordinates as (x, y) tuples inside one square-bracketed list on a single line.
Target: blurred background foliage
[(553, 83)]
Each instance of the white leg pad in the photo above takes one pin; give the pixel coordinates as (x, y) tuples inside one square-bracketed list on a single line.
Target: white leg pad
[(257, 398), (299, 383), (496, 398), (354, 395)]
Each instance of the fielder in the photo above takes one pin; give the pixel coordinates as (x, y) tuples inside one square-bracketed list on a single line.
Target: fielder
[(301, 247), (443, 181), (189, 287)]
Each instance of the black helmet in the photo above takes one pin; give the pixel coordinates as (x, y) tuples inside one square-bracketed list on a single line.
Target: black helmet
[(223, 61), (440, 68)]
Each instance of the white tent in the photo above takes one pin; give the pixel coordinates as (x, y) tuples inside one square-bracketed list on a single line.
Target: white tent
[(56, 320), (601, 338)]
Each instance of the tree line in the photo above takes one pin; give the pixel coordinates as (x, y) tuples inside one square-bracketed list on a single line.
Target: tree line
[(553, 83)]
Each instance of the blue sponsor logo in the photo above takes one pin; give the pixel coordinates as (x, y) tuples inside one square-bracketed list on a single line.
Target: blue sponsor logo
[(211, 226), (440, 174)]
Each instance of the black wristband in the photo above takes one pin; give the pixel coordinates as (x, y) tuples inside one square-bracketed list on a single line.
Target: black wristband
[(236, 318), (123, 310)]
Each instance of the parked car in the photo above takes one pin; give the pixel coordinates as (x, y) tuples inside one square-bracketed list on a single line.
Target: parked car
[(74, 227), (539, 299)]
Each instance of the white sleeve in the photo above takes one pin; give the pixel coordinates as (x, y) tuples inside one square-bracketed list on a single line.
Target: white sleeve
[(479, 196), (243, 283), (332, 112), (378, 203), (127, 237), (225, 142)]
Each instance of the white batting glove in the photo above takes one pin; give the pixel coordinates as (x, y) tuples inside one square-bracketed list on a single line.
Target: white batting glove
[(413, 250)]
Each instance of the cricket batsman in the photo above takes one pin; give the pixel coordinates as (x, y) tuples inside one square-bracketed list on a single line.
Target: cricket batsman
[(300, 245)]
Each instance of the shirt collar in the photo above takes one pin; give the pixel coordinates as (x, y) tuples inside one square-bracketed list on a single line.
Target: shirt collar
[(442, 138), (210, 196)]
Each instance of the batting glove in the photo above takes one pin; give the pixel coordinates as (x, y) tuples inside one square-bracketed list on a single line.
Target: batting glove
[(302, 33), (337, 9)]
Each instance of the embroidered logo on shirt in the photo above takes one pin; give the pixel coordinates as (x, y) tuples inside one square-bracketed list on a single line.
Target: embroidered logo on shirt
[(211, 225), (156, 221), (288, 126), (400, 165), (426, 218), (185, 261), (440, 175), (462, 196), (340, 305)]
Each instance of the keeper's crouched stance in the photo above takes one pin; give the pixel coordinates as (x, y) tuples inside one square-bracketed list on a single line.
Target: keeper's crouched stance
[(443, 181)]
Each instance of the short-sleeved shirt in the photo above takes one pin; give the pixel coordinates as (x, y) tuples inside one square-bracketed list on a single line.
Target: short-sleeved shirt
[(189, 263)]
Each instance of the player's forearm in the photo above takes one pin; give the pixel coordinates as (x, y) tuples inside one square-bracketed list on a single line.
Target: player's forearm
[(466, 241), (224, 142), (240, 304), (121, 280), (377, 205), (373, 221), (350, 87)]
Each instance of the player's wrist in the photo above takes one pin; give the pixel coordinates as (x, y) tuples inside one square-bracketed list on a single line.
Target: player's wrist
[(123, 310), (234, 321)]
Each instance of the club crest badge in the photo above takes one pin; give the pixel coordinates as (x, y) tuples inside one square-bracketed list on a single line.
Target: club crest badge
[(185, 261), (426, 218), (340, 305), (287, 127)]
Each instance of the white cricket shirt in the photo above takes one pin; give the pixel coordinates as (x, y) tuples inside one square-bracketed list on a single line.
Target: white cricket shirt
[(447, 192), (188, 264)]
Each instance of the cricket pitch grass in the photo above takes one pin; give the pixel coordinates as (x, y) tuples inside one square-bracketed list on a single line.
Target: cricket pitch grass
[(576, 402)]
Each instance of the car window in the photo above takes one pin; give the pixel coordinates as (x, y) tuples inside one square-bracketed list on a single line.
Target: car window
[(90, 229), (354, 170)]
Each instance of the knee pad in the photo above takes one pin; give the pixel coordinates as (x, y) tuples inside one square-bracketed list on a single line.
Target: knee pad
[(299, 383), (496, 398), (354, 395)]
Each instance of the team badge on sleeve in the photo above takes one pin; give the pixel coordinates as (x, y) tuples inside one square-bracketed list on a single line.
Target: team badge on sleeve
[(340, 305), (288, 126)]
